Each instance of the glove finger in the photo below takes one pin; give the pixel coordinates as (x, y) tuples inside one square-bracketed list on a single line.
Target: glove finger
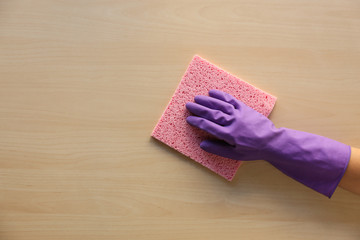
[(206, 125), (215, 116), (214, 103), (223, 96)]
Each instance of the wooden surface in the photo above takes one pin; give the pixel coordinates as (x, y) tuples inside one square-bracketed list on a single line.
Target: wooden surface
[(83, 83)]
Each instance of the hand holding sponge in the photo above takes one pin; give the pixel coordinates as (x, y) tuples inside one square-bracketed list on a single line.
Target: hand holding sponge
[(244, 134)]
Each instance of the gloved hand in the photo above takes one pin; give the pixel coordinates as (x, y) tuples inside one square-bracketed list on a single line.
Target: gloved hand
[(244, 134)]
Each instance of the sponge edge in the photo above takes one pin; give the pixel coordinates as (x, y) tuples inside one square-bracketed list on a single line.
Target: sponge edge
[(200, 77)]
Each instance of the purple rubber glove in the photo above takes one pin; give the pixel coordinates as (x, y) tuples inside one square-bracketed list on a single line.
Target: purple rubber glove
[(244, 134)]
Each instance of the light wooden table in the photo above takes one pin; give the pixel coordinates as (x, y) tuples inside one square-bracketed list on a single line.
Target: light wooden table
[(83, 83)]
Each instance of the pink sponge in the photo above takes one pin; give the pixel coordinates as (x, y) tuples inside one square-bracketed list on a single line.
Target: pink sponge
[(172, 128)]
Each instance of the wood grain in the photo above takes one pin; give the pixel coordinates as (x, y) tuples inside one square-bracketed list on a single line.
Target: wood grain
[(82, 84)]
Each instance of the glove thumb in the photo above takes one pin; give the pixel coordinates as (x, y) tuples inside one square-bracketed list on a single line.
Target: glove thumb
[(226, 150), (218, 147)]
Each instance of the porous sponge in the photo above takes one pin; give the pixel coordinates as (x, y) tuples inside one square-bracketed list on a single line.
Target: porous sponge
[(172, 128)]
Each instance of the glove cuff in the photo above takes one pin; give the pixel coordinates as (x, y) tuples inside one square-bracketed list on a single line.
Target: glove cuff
[(315, 161)]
